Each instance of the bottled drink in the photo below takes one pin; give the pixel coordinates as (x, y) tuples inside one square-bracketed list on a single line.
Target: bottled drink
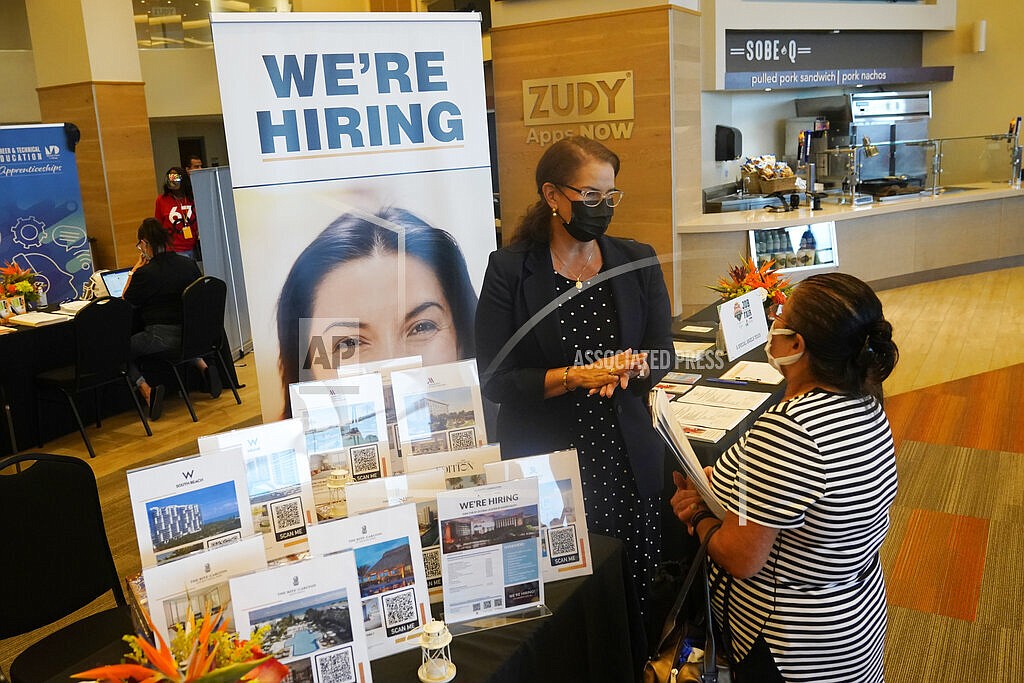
[(808, 247)]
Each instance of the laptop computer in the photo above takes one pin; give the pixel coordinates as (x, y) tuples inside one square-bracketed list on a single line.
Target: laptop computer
[(115, 280)]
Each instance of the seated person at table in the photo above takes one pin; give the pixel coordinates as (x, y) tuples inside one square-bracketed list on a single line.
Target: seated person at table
[(797, 586), (154, 287)]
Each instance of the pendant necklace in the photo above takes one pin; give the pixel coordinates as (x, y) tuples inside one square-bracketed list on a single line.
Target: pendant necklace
[(579, 282)]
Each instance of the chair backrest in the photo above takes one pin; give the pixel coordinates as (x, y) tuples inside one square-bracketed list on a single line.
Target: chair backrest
[(202, 306), (56, 555), (103, 331)]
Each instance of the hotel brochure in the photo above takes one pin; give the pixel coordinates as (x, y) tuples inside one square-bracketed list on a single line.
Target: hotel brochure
[(421, 488), (565, 543), (712, 417), (672, 432), (753, 371), (389, 562), (490, 549), (439, 408), (384, 368), (198, 582), (189, 504), (312, 611), (277, 474), (724, 398), (346, 435), (460, 470)]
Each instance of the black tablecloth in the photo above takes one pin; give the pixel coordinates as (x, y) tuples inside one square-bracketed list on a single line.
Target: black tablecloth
[(594, 634)]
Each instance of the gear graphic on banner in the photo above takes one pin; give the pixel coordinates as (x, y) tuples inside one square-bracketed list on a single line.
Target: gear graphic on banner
[(29, 232)]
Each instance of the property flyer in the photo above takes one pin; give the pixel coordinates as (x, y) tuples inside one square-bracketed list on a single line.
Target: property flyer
[(392, 585), (490, 549), (189, 504), (385, 368), (439, 408), (198, 582), (346, 435), (461, 470), (668, 426), (311, 611), (565, 543), (277, 473)]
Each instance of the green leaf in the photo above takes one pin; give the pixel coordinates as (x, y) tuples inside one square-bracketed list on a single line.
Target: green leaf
[(230, 674)]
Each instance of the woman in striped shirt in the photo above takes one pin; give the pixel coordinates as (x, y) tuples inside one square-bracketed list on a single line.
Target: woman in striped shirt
[(796, 582)]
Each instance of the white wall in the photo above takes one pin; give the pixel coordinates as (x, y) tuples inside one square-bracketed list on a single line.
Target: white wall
[(165, 134), (760, 118)]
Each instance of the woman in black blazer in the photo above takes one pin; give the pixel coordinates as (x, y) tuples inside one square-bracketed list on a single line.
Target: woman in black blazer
[(572, 330)]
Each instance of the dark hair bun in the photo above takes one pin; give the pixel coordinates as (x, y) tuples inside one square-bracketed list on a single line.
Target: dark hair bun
[(881, 350)]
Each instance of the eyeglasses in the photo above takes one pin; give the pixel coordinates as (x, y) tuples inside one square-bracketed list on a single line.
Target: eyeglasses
[(594, 198)]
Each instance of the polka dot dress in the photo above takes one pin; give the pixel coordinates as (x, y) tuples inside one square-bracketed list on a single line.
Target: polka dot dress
[(590, 328)]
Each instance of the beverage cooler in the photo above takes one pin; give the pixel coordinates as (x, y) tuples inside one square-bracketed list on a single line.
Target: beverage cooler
[(872, 127), (796, 249)]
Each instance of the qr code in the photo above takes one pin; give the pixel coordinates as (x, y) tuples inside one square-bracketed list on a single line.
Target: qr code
[(459, 439), (287, 514), (562, 540), (365, 460), (432, 562), (400, 607), (336, 666)]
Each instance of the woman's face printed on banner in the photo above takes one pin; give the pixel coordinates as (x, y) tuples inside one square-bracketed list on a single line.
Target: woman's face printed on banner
[(376, 324)]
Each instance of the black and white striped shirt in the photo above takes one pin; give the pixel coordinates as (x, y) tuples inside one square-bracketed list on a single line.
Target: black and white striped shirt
[(821, 468)]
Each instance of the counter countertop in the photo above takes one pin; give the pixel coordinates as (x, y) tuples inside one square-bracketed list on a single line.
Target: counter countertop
[(760, 218)]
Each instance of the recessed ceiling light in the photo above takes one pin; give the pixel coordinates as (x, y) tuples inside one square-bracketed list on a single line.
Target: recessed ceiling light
[(767, 89)]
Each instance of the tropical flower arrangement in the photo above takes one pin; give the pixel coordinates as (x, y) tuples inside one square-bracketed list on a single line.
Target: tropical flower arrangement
[(17, 281), (747, 277), (201, 651)]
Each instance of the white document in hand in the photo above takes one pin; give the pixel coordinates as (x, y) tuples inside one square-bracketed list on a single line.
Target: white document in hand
[(672, 432)]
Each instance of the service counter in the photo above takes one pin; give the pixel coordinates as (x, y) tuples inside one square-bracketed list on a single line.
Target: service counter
[(971, 229)]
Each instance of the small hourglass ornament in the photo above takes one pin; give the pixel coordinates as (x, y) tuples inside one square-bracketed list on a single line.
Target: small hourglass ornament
[(437, 664)]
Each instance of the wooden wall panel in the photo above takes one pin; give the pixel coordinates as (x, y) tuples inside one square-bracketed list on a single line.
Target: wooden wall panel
[(115, 161), (637, 40), (128, 161)]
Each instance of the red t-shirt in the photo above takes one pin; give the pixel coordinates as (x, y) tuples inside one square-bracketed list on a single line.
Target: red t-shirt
[(179, 219)]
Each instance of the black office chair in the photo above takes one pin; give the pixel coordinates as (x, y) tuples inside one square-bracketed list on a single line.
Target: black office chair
[(102, 349), (56, 561), (202, 334)]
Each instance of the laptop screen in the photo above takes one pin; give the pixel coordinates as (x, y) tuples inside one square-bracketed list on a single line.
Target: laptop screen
[(115, 280)]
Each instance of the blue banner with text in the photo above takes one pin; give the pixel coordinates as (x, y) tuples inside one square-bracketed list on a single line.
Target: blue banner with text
[(42, 225)]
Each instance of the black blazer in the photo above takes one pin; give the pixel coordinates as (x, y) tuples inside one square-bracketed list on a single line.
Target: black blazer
[(517, 301)]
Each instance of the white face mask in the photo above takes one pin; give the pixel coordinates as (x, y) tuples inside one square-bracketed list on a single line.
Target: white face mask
[(777, 363)]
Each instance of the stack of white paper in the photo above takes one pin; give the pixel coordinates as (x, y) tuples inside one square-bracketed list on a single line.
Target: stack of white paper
[(672, 432)]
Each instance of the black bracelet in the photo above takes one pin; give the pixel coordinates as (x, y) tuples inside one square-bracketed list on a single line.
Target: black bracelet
[(700, 516), (711, 532)]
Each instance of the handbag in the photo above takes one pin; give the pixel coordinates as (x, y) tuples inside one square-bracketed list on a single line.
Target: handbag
[(665, 666)]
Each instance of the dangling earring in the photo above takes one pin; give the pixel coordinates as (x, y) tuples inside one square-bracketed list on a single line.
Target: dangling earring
[(554, 210)]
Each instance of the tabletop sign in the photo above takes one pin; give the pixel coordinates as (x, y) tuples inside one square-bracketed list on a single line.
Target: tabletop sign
[(743, 323)]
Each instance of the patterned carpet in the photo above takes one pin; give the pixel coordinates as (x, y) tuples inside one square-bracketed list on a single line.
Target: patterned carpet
[(953, 559)]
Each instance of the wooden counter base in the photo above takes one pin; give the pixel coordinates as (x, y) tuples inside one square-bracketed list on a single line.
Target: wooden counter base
[(888, 245)]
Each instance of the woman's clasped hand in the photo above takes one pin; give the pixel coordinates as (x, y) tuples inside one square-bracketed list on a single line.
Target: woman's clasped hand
[(605, 375)]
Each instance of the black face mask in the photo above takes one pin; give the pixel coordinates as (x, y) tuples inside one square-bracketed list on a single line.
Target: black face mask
[(588, 222)]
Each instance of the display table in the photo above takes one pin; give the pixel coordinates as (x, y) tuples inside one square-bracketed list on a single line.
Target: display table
[(594, 634)]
